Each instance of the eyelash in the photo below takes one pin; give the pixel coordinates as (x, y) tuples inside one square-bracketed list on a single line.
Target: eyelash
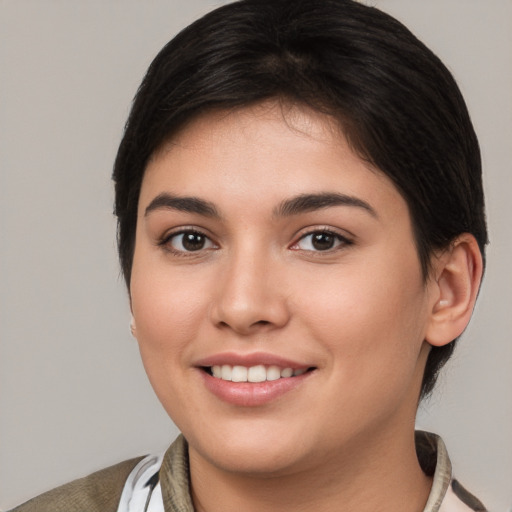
[(166, 242), (338, 240)]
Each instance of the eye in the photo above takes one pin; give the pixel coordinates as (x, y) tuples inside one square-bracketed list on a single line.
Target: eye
[(188, 241), (320, 241)]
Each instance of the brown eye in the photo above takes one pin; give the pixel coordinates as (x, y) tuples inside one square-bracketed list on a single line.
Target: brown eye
[(189, 241), (319, 241), (193, 241), (323, 241)]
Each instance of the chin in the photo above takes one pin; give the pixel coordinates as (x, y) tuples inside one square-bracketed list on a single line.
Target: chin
[(249, 451), (258, 461)]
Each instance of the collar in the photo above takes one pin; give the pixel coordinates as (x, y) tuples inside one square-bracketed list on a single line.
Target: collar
[(175, 482), (435, 462)]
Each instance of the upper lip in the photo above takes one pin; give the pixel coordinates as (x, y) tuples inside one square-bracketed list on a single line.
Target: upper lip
[(249, 360)]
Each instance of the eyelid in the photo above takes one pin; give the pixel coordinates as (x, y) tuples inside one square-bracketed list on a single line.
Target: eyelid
[(345, 238), (165, 240)]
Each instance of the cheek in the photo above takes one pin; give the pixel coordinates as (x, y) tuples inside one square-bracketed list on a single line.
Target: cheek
[(166, 311), (166, 307), (370, 317)]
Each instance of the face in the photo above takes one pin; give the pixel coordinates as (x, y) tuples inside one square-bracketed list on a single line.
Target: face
[(277, 292)]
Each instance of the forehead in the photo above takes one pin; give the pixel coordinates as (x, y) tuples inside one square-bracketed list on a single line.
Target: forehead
[(300, 121), (266, 146)]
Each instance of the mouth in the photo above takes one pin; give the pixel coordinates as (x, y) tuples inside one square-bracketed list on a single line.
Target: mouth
[(252, 380), (254, 374)]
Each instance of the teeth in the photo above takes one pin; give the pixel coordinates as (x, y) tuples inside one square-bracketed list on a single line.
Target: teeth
[(226, 372), (258, 373), (286, 372), (273, 373), (239, 374)]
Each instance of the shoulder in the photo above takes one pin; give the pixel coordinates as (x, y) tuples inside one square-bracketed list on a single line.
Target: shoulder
[(98, 492)]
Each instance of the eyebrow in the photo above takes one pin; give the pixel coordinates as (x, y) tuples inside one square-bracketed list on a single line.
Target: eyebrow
[(294, 206), (167, 201), (310, 202)]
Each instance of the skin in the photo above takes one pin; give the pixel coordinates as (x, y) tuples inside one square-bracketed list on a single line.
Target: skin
[(359, 313)]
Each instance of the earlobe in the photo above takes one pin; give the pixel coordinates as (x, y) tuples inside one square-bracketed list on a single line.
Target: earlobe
[(132, 326), (457, 277)]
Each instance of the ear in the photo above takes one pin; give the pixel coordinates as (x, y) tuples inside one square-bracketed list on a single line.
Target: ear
[(456, 278), (132, 326)]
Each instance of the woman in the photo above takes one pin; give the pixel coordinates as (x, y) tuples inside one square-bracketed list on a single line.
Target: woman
[(302, 233)]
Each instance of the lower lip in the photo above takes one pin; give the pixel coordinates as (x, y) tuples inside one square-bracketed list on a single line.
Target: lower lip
[(248, 394)]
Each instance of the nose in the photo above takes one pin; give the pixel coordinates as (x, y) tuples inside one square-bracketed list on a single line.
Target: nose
[(250, 297)]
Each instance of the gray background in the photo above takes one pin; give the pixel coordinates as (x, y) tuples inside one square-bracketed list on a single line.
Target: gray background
[(73, 394)]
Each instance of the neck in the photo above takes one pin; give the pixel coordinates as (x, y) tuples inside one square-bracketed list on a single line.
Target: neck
[(383, 475)]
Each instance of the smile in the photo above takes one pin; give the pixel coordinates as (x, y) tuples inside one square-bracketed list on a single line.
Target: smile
[(255, 385), (257, 373)]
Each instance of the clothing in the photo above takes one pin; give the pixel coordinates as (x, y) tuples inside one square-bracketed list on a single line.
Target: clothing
[(99, 492), (161, 484)]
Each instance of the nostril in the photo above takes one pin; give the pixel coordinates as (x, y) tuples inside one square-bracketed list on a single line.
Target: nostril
[(245, 328)]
